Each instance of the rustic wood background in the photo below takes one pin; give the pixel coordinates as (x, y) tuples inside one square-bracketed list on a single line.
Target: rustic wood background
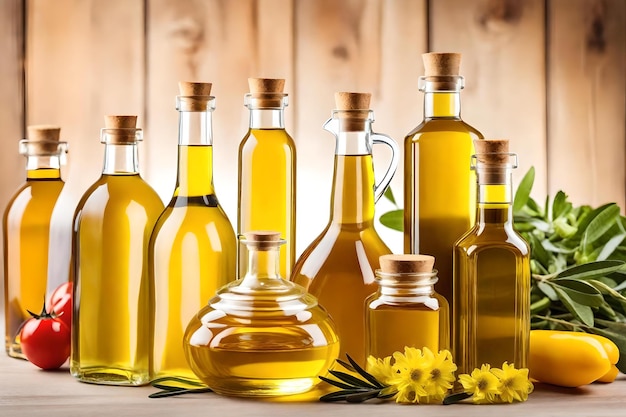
[(547, 74)]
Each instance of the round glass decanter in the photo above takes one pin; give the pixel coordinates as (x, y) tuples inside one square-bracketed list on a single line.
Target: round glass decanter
[(261, 335)]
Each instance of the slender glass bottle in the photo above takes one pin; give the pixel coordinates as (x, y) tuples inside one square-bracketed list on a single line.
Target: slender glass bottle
[(261, 335), (111, 326), (193, 246), (439, 193), (406, 310), (338, 266), (267, 170), (27, 225), (492, 271)]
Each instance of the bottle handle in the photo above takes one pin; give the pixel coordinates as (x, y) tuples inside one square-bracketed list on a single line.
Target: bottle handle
[(379, 138)]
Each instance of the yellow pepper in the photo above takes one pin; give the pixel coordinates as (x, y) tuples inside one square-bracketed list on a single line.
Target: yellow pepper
[(609, 376), (568, 359)]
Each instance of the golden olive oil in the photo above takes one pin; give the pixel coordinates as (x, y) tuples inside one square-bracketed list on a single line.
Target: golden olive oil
[(26, 226), (439, 187), (193, 250), (338, 267), (112, 337), (267, 170)]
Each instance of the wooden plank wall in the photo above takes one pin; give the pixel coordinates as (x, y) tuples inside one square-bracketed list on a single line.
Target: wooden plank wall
[(548, 74)]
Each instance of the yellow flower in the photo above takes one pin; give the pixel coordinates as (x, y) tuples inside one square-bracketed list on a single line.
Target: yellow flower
[(382, 370), (413, 370), (482, 384), (441, 375), (514, 383)]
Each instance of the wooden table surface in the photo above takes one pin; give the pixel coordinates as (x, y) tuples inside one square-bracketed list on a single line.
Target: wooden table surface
[(27, 391)]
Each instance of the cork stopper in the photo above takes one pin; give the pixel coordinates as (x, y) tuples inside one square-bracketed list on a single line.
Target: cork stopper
[(119, 129), (356, 106), (262, 239), (194, 96), (492, 155), (406, 264), (442, 69), (266, 92), (42, 139)]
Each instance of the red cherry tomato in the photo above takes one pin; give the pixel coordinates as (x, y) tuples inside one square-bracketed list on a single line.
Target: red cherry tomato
[(61, 303), (45, 340)]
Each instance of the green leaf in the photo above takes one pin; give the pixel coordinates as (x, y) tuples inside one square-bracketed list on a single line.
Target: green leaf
[(605, 289), (388, 194), (369, 377), (560, 205), (523, 190), (591, 270), (455, 398), (581, 312), (580, 291), (610, 246), (552, 247), (393, 220), (585, 229), (351, 379), (548, 290), (539, 253)]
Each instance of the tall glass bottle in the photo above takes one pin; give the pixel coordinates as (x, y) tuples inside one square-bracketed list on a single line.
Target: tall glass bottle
[(26, 229), (267, 170), (261, 335), (492, 271), (111, 327), (439, 193), (338, 266), (193, 245), (406, 310)]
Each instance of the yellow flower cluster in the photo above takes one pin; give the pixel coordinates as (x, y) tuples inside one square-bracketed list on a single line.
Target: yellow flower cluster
[(492, 385), (419, 376)]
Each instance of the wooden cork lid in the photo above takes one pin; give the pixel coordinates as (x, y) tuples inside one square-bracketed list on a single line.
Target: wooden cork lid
[(406, 264), (43, 139), (492, 151), (442, 69), (119, 129), (194, 96), (267, 92), (262, 238), (353, 110)]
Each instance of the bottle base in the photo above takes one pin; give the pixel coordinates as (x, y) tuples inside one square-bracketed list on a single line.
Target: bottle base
[(262, 387), (110, 376)]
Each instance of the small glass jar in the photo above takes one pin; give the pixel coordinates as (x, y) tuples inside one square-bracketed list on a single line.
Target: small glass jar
[(406, 310), (261, 336)]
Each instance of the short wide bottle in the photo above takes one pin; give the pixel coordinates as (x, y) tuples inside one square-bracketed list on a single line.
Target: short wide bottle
[(27, 230), (406, 310), (492, 271), (262, 335), (111, 326)]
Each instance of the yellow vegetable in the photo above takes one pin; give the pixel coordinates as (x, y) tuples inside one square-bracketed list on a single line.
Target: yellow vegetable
[(568, 359), (609, 376), (609, 346)]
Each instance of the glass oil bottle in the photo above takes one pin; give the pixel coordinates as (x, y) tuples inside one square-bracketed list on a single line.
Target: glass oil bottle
[(406, 310), (439, 199), (193, 247), (261, 336), (492, 271), (111, 327), (338, 266), (27, 226), (267, 169)]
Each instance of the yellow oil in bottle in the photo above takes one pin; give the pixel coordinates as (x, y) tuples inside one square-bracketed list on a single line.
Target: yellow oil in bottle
[(492, 284), (267, 188), (338, 267), (193, 250), (26, 226), (112, 335), (439, 187), (261, 336)]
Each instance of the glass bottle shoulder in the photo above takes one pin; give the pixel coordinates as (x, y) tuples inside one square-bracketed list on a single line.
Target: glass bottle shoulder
[(35, 194), (486, 237), (442, 126), (267, 140)]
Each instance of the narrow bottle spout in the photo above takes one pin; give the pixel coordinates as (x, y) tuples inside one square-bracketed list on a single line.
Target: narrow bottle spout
[(331, 125)]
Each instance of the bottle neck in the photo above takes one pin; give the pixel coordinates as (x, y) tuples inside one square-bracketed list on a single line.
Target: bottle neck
[(43, 167), (267, 118), (495, 195), (442, 104), (406, 287), (195, 154), (121, 159), (352, 198)]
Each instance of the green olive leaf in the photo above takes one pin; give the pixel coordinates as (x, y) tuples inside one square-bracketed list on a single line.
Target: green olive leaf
[(548, 291), (605, 289), (610, 246), (388, 194), (591, 270), (579, 291), (522, 194), (597, 223), (393, 220), (560, 205), (538, 251), (581, 312), (557, 247)]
